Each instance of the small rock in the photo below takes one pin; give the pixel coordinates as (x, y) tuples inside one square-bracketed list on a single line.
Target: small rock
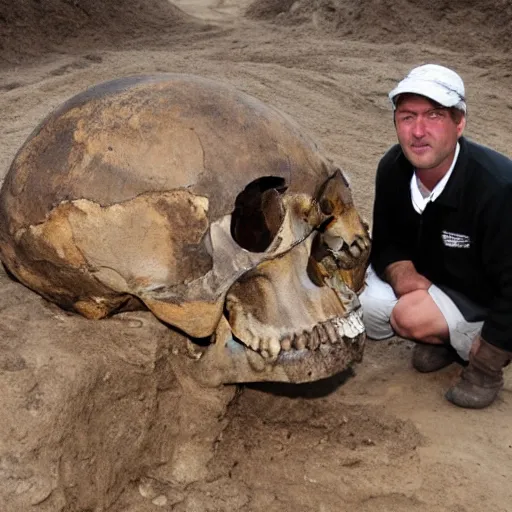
[(160, 501)]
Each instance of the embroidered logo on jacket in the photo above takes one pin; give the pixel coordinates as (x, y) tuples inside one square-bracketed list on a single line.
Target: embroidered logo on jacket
[(455, 240)]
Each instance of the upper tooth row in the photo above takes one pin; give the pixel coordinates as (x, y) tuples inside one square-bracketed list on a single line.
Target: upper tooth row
[(331, 331), (351, 325)]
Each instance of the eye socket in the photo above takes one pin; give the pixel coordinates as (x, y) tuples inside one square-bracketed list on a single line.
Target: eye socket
[(334, 196), (326, 206), (404, 118), (258, 213), (437, 113)]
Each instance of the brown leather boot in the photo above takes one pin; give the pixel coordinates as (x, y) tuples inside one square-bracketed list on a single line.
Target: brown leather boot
[(430, 358), (482, 379)]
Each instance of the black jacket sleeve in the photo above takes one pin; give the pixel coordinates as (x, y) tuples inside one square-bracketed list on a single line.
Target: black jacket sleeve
[(391, 237), (495, 234)]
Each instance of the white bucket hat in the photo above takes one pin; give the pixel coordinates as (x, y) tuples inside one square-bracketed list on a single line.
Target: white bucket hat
[(438, 83)]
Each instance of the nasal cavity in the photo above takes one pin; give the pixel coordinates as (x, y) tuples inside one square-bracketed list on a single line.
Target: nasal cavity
[(258, 213)]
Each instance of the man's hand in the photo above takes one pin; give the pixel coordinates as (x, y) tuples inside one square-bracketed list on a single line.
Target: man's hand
[(403, 278)]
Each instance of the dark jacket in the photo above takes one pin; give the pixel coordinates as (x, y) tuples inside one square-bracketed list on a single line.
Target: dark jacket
[(463, 240)]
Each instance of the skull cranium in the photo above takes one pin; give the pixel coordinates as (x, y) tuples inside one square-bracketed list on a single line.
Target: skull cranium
[(184, 196)]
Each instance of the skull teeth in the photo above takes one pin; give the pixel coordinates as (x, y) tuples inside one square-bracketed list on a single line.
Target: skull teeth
[(322, 334), (299, 342), (335, 331), (274, 347), (331, 332), (314, 340), (286, 344)]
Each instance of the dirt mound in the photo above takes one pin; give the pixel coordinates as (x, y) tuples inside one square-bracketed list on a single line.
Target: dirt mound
[(457, 24), (29, 28), (305, 444)]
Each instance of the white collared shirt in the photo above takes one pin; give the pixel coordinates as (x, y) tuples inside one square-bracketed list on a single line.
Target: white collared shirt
[(419, 202)]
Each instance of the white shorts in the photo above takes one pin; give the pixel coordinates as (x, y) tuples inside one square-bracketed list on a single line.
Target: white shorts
[(378, 300)]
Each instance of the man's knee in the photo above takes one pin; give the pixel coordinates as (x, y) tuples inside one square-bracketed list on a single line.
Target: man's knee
[(416, 316), (401, 321)]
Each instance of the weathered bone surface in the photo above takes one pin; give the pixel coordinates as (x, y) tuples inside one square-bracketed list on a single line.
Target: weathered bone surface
[(212, 210)]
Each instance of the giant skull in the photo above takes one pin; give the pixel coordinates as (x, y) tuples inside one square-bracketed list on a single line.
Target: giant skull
[(214, 211)]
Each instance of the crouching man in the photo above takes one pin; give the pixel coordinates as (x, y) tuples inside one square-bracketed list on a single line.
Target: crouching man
[(441, 261)]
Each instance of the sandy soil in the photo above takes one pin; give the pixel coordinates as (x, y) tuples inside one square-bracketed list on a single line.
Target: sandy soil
[(382, 438)]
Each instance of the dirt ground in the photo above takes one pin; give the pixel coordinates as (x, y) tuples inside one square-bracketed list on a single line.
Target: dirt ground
[(381, 438)]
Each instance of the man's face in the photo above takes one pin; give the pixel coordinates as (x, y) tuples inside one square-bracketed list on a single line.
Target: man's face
[(427, 132)]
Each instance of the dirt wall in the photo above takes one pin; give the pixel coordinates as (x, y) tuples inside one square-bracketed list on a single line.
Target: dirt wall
[(458, 25), (31, 28)]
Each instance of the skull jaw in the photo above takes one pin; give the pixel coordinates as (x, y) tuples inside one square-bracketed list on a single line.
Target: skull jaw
[(325, 362), (282, 327), (230, 362)]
